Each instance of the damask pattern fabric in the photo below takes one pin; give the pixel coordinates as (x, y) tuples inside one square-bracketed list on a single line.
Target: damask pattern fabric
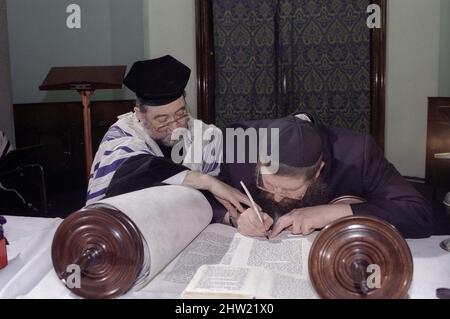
[(277, 57), (245, 45)]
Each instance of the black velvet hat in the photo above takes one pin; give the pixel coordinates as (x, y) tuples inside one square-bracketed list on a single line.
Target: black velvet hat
[(158, 81), (300, 143)]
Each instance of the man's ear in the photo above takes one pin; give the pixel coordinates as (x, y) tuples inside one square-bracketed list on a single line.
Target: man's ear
[(138, 113), (322, 164)]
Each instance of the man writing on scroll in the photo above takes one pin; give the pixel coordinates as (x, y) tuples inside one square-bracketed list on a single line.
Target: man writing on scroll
[(137, 151), (319, 163)]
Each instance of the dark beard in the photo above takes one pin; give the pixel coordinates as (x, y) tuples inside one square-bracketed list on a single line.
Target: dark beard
[(318, 193)]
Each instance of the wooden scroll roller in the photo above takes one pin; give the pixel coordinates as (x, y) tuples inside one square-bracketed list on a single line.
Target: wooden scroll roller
[(347, 199), (107, 247), (3, 243), (348, 255), (3, 254), (121, 243)]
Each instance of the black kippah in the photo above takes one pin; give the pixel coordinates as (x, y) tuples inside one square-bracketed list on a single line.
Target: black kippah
[(158, 81), (300, 143)]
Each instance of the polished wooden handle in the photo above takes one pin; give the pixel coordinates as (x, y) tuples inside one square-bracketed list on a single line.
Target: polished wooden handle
[(347, 199), (3, 254), (342, 252), (107, 247)]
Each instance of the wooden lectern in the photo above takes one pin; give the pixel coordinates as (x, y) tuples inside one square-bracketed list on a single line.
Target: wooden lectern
[(85, 80)]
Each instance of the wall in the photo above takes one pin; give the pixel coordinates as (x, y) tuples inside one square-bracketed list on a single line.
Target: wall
[(413, 64), (413, 33), (111, 33), (444, 55), (416, 63), (170, 29), (6, 115)]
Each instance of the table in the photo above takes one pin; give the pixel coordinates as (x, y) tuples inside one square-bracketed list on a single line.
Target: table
[(30, 272)]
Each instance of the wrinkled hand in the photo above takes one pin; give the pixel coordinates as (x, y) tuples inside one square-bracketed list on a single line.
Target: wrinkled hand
[(248, 223), (231, 198), (304, 221)]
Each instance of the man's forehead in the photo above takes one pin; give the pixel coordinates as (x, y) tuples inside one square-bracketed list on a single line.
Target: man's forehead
[(168, 108)]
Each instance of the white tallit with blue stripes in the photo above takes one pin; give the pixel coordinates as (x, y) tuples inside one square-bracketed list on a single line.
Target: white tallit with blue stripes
[(127, 138)]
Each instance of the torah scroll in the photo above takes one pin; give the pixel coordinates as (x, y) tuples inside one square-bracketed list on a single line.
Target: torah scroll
[(122, 242)]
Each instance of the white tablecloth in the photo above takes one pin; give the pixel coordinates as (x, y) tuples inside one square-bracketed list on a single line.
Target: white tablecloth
[(30, 272)]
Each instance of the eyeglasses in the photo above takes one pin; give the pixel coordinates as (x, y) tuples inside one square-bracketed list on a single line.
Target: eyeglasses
[(180, 119), (297, 194)]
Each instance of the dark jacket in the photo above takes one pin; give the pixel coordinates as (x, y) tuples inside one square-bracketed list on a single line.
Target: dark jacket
[(354, 165)]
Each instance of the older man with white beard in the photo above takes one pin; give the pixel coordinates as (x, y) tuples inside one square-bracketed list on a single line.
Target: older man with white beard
[(142, 148)]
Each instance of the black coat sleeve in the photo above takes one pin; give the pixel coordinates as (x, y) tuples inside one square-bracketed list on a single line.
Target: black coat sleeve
[(390, 197), (144, 171)]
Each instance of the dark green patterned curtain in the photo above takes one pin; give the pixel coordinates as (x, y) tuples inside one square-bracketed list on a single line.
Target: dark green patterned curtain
[(245, 54), (276, 57)]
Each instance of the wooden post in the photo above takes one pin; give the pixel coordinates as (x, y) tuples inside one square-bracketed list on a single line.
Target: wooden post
[(85, 95), (85, 80)]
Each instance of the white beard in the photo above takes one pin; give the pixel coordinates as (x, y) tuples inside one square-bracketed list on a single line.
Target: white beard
[(168, 141)]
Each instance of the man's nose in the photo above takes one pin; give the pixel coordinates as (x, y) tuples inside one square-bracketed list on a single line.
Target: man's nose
[(173, 125)]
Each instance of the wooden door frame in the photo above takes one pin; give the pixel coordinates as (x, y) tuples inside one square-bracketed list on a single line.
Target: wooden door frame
[(206, 70)]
